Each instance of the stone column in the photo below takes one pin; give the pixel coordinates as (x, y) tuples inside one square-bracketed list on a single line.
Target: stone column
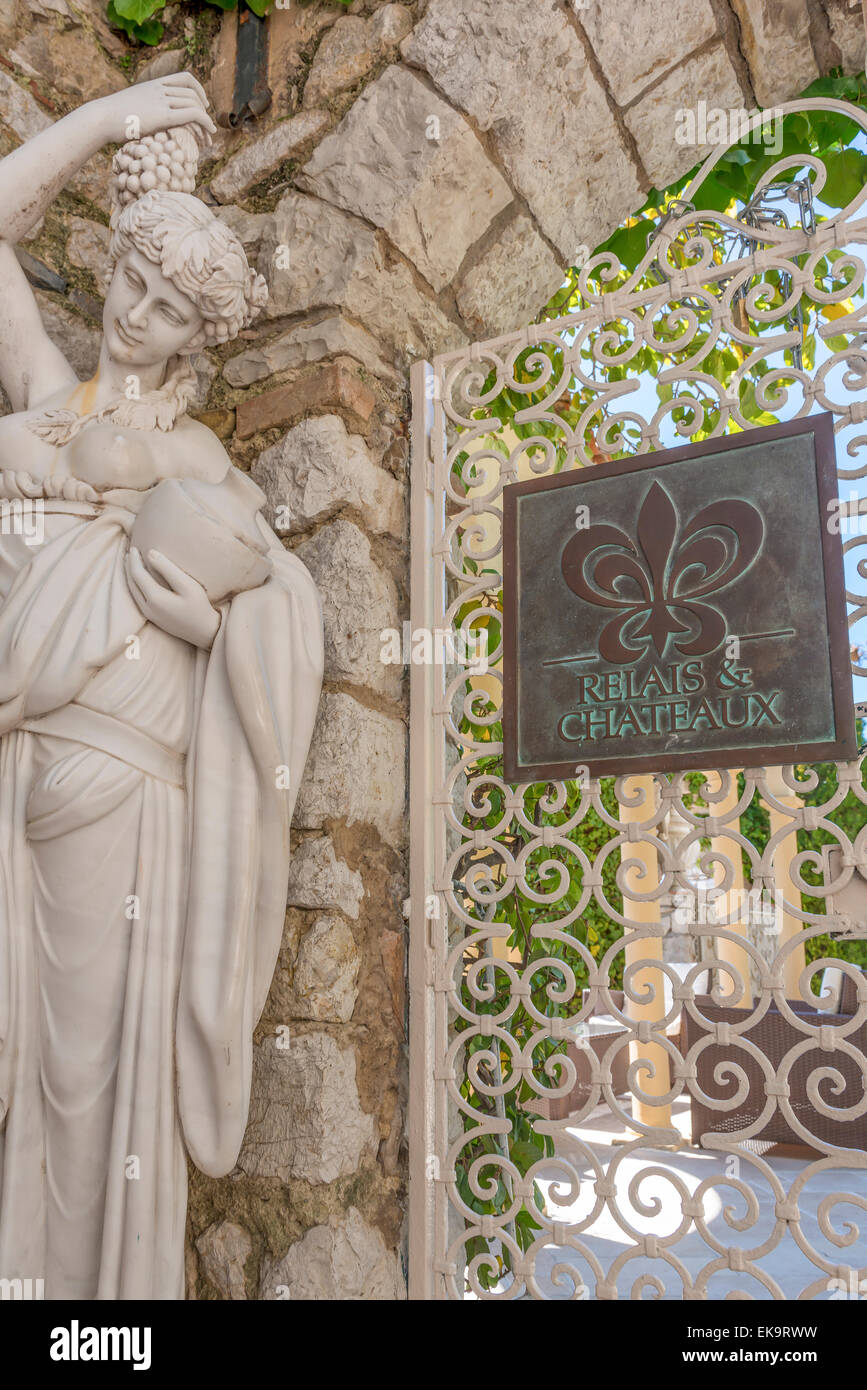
[(784, 889), (646, 949), (678, 944), (732, 904)]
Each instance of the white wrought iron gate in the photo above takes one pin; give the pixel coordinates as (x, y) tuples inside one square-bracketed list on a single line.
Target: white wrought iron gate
[(654, 904)]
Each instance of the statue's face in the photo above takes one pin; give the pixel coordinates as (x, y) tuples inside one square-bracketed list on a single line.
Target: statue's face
[(146, 319)]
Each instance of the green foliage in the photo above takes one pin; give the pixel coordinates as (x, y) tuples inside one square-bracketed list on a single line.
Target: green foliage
[(733, 180), (139, 19), (726, 189), (136, 19)]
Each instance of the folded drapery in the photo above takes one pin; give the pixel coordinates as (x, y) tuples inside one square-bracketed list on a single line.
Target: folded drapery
[(255, 723), (171, 850)]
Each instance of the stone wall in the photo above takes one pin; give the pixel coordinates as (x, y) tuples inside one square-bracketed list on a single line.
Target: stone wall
[(423, 176)]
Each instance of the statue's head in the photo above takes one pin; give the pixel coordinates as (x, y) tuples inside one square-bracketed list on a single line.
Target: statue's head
[(181, 280)]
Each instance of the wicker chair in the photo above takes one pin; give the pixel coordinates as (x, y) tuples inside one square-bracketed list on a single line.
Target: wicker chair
[(774, 1036), (599, 1042)]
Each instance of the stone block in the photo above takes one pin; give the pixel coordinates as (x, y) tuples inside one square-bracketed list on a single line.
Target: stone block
[(775, 40), (162, 65), (71, 62), (356, 771), (359, 599), (93, 181), (249, 227), (224, 1249), (205, 370), (846, 21), (326, 970), (262, 154), (336, 384), (305, 1117), (40, 275), (403, 159), (87, 247), (53, 10), (510, 282), (343, 1259), (317, 469), (20, 111), (93, 13), (293, 31), (10, 18), (306, 343), (654, 119), (78, 342), (350, 50), (520, 72), (317, 878), (336, 260), (661, 33)]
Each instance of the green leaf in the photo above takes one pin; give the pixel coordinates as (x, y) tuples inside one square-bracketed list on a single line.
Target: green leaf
[(525, 1153), (797, 129), (736, 155), (259, 7), (808, 351), (847, 174), (843, 88), (629, 243), (750, 407), (149, 32), (136, 10)]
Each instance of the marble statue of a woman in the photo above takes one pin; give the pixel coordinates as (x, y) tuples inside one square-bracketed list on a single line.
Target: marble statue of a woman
[(160, 667)]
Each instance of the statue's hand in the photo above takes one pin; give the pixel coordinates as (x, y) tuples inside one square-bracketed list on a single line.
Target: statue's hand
[(182, 609), (162, 104)]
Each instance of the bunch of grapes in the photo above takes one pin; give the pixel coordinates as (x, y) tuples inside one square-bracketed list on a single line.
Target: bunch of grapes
[(168, 160)]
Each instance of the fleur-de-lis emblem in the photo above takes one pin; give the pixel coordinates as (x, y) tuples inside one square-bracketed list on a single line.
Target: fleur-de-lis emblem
[(657, 585)]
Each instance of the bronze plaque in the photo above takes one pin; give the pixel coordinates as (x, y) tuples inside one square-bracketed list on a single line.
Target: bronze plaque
[(681, 609)]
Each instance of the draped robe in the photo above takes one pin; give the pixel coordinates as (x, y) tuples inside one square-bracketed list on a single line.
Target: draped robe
[(146, 791)]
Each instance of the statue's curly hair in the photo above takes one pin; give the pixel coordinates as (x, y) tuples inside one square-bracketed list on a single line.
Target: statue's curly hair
[(199, 254), (203, 259)]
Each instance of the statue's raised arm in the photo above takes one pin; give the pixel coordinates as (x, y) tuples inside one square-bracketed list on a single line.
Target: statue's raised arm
[(31, 367)]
